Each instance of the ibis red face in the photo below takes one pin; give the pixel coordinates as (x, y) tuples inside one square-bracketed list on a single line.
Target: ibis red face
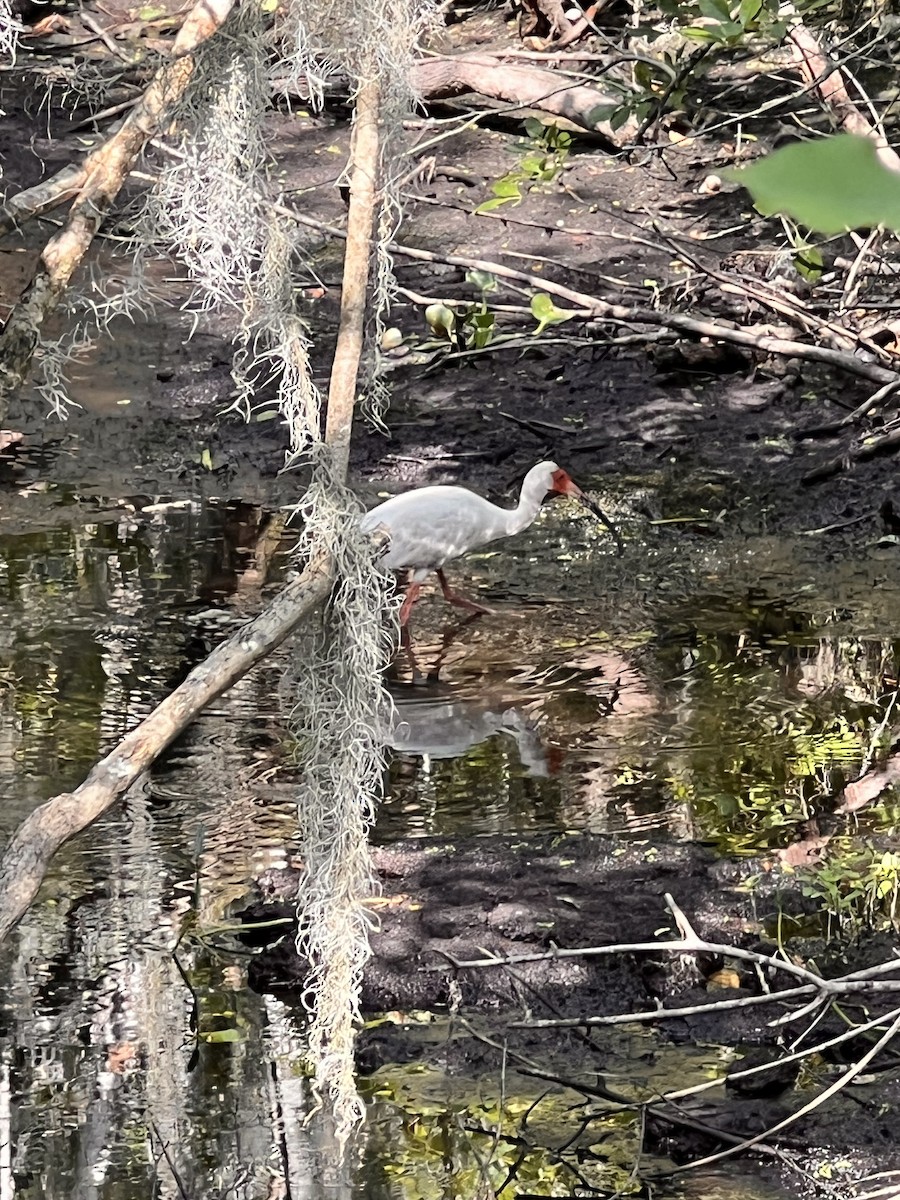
[(563, 485)]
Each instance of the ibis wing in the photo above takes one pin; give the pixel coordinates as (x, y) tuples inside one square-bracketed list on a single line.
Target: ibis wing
[(431, 526)]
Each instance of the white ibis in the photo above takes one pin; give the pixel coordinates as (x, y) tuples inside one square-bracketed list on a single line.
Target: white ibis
[(430, 526)]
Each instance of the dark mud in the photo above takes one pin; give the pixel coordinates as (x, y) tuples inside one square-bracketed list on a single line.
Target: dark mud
[(442, 903)]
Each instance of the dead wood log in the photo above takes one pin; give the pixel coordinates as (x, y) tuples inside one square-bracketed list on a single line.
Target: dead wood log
[(40, 835), (525, 87), (98, 182)]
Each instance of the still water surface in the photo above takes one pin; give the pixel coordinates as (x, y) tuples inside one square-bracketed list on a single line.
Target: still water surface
[(712, 701)]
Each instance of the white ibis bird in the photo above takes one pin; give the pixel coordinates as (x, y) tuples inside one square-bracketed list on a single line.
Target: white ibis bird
[(430, 526)]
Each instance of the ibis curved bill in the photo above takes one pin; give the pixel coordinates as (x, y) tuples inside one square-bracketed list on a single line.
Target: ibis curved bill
[(430, 526)]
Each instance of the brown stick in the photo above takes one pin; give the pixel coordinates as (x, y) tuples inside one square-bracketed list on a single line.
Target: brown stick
[(872, 446), (40, 835), (98, 183), (357, 258), (826, 80), (597, 309), (526, 87), (580, 27)]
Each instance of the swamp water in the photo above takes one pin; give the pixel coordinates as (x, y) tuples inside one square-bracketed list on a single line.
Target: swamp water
[(682, 693)]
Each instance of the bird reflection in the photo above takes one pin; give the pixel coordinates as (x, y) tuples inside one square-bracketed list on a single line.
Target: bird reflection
[(439, 725)]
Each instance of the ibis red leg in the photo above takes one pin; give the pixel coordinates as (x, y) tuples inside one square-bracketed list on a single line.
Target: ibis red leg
[(460, 601), (412, 595)]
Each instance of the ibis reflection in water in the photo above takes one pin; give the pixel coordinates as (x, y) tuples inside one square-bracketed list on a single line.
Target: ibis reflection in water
[(444, 726)]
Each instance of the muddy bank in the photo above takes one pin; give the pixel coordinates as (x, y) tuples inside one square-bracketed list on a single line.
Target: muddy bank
[(443, 902), (470, 898)]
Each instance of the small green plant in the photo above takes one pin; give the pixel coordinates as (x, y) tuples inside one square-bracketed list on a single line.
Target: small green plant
[(857, 890), (470, 328), (545, 156), (718, 22)]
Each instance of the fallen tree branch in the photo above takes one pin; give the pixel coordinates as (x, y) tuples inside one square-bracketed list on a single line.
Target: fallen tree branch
[(436, 78), (594, 308), (364, 155), (40, 835), (851, 418), (870, 448), (823, 77), (442, 78), (817, 1101), (98, 181)]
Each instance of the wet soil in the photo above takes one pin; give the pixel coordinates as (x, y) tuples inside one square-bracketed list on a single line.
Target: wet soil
[(442, 903), (701, 431)]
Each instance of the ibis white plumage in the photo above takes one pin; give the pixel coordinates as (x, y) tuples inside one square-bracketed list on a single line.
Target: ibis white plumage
[(430, 526)]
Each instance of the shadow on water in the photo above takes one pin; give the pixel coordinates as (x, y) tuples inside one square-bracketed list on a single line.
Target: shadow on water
[(590, 703)]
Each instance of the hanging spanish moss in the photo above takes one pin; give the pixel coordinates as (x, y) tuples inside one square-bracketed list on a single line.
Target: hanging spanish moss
[(337, 722), (214, 207)]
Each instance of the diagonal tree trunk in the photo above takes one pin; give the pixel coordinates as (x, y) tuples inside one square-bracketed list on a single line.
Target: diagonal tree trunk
[(97, 182)]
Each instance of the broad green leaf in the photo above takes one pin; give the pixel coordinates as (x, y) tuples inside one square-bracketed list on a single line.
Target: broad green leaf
[(718, 10), (532, 164), (441, 319), (749, 12), (831, 185), (546, 313), (483, 323), (600, 113), (507, 189), (533, 127), (223, 1035)]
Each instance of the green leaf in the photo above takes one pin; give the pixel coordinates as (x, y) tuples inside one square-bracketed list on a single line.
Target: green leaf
[(600, 113), (497, 202), (533, 164), (507, 188), (700, 33), (546, 313), (483, 323), (748, 14), (484, 281), (206, 459), (441, 319), (717, 10), (222, 1035), (533, 127), (831, 185), (808, 262)]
